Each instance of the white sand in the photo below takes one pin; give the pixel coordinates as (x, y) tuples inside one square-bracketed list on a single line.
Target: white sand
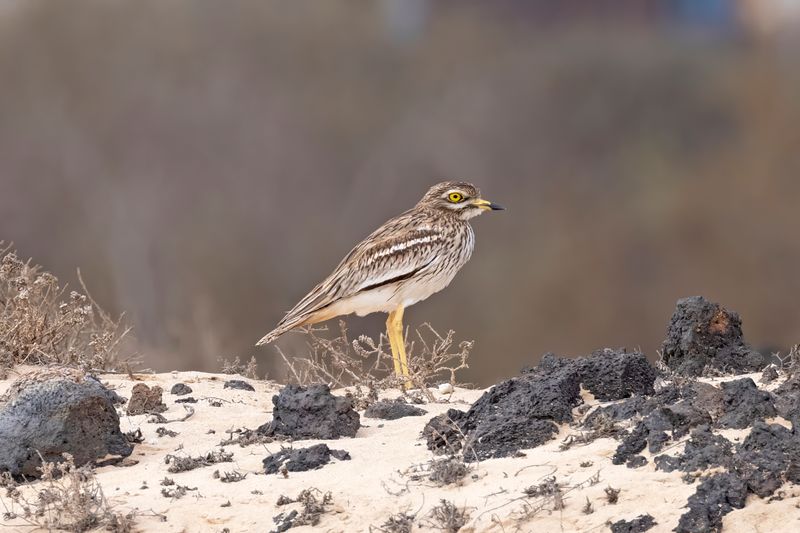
[(376, 483)]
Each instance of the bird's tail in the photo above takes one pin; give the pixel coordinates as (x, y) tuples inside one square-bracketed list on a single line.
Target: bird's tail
[(283, 327)]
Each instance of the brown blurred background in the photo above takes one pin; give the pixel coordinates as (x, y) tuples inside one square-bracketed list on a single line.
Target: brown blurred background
[(205, 163)]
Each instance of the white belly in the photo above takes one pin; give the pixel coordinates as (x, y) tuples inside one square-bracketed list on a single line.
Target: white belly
[(388, 298)]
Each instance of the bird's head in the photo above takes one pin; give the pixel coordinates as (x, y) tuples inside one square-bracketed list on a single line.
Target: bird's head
[(457, 197)]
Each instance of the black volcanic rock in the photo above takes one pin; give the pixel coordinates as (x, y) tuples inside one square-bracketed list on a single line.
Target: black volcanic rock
[(238, 384), (787, 399), (703, 333), (443, 432), (392, 410), (637, 461), (180, 389), (744, 403), (616, 374), (716, 496), (703, 450), (523, 412), (631, 444), (302, 459), (57, 412), (311, 413), (767, 455), (640, 524)]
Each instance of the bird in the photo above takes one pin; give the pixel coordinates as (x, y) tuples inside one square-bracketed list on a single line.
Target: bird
[(404, 261)]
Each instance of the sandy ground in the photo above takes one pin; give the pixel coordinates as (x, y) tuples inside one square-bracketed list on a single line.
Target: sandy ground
[(379, 480)]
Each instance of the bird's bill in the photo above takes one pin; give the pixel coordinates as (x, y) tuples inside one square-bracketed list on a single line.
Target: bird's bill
[(486, 205)]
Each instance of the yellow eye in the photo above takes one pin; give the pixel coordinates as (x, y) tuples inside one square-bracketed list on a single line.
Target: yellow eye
[(455, 197)]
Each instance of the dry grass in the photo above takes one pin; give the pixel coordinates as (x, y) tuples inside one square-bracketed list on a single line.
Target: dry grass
[(612, 494), (448, 517), (789, 363), (313, 504), (366, 364), (41, 323), (65, 498), (249, 370), (397, 523), (602, 427), (184, 463)]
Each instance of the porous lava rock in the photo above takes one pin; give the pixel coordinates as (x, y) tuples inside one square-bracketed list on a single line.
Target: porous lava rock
[(146, 400), (633, 443), (443, 432), (660, 426), (514, 414), (302, 459), (311, 413), (616, 374), (787, 399), (637, 461), (703, 450), (767, 456), (53, 412), (635, 405), (640, 524), (716, 496), (522, 412), (704, 334), (238, 384), (744, 403), (180, 389), (769, 374), (392, 410)]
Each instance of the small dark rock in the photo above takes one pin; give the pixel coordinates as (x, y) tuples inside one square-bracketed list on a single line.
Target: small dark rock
[(704, 334), (188, 399), (636, 405), (180, 389), (715, 497), (443, 432), (787, 399), (341, 455), (656, 441), (146, 400), (302, 459), (743, 403), (238, 384), (632, 444), (769, 374), (667, 463), (705, 397), (636, 461), (640, 524), (676, 419), (56, 412), (618, 411), (389, 410), (703, 450), (311, 413)]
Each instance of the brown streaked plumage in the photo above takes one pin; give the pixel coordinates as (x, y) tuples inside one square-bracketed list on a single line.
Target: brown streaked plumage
[(401, 263)]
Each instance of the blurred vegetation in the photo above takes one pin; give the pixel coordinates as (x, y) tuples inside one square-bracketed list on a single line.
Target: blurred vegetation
[(206, 163)]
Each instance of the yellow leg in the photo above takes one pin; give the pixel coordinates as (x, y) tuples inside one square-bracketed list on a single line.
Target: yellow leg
[(394, 328), (393, 343)]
